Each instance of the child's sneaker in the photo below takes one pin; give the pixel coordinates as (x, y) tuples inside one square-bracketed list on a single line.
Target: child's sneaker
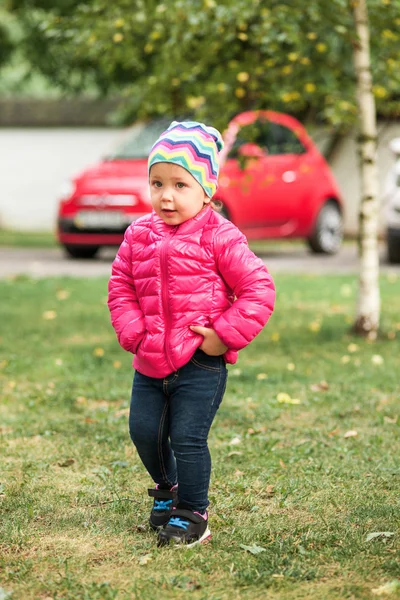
[(164, 502), (185, 527)]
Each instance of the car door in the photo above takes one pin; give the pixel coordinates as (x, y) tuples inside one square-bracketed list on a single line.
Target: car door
[(266, 169)]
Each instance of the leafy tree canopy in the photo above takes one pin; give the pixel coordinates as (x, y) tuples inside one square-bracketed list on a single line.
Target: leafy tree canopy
[(215, 58)]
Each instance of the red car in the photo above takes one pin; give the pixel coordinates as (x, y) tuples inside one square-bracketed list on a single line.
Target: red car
[(273, 183)]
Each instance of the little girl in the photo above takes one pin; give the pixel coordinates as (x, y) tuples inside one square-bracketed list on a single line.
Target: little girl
[(185, 294)]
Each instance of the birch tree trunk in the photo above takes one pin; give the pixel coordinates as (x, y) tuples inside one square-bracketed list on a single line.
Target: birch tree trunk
[(368, 306)]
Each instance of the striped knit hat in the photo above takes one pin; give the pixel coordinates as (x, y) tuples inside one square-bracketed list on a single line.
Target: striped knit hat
[(193, 146)]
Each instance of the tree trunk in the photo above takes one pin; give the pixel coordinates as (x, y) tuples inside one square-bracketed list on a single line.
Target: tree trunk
[(368, 306)]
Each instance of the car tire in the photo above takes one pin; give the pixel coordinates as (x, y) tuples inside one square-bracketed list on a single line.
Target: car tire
[(393, 248), (327, 236), (81, 251)]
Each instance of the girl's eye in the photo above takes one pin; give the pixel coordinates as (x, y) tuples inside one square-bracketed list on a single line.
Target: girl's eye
[(157, 184), (180, 185)]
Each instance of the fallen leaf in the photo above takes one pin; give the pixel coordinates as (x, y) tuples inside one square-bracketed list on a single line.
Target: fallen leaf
[(235, 372), (66, 463), (346, 290), (191, 585), (4, 429), (345, 359), (352, 348), (333, 432), (387, 589), (261, 376), (123, 412), (322, 386), (49, 315), (270, 490), (282, 464), (337, 308), (315, 326), (98, 352), (285, 398), (143, 560), (389, 420), (62, 294), (4, 595), (235, 441), (377, 359), (350, 433), (238, 473), (120, 463), (58, 362), (378, 534), (290, 366), (253, 549)]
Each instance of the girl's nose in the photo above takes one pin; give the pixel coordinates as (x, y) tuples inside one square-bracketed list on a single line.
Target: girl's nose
[(167, 194)]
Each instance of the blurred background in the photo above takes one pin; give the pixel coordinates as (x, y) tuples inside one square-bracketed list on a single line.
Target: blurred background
[(74, 75)]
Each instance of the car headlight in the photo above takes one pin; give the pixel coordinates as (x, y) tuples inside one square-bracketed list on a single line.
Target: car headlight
[(66, 190)]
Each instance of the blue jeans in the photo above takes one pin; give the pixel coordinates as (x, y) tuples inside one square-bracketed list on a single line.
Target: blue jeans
[(169, 423)]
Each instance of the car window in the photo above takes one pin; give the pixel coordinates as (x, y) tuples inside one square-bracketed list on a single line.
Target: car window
[(140, 139), (271, 137), (282, 140)]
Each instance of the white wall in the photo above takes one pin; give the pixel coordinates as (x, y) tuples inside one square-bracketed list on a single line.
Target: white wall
[(33, 165), (344, 165), (35, 162)]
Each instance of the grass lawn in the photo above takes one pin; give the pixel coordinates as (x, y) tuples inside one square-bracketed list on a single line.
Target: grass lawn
[(27, 239), (46, 239), (305, 454)]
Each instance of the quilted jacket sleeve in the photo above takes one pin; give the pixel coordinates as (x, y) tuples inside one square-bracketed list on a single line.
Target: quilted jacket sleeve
[(126, 315), (252, 285)]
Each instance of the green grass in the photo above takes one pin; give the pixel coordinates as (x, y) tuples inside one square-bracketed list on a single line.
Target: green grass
[(27, 239), (73, 502), (46, 239)]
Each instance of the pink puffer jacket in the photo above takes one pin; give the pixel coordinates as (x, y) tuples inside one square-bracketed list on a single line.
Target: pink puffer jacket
[(166, 278)]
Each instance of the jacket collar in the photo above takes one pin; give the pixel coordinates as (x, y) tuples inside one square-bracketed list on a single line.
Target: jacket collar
[(186, 228)]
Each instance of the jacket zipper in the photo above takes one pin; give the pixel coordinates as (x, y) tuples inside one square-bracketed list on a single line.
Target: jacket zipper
[(164, 295)]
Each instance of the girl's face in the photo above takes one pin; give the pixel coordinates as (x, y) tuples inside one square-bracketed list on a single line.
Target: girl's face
[(175, 194)]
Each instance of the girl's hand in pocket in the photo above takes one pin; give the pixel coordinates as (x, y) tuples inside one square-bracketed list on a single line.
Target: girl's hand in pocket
[(212, 344)]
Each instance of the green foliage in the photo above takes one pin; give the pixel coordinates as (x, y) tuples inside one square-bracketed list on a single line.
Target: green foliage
[(215, 58), (7, 41), (6, 45), (305, 454)]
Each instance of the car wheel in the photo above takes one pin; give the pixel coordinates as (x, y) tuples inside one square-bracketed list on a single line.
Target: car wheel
[(328, 232), (81, 251), (393, 248)]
